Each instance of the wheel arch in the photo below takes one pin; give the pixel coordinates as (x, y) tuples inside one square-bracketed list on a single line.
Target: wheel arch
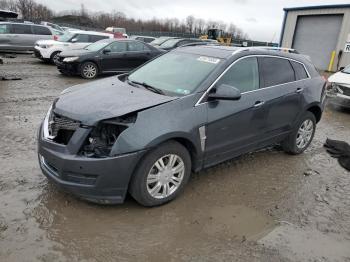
[(316, 111), (91, 61), (185, 140)]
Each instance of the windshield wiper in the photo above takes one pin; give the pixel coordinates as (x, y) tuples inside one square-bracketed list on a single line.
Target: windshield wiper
[(147, 86)]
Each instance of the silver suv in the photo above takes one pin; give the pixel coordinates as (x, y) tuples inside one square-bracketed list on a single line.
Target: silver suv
[(22, 36)]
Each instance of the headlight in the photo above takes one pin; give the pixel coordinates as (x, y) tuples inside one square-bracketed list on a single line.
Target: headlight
[(70, 59), (46, 46), (102, 138)]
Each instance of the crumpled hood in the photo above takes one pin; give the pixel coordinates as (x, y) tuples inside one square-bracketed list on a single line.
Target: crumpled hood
[(104, 99), (340, 78)]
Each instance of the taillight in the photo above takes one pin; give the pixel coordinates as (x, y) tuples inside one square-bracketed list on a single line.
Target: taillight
[(55, 37)]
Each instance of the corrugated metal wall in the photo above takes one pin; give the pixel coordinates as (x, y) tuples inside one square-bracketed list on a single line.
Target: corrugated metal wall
[(291, 22)]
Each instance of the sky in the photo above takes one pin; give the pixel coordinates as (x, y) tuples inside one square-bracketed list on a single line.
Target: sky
[(261, 20)]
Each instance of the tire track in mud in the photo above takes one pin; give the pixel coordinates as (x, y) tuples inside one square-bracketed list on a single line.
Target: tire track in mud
[(29, 99), (9, 141)]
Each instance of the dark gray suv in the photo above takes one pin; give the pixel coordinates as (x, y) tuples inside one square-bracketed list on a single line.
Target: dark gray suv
[(189, 109)]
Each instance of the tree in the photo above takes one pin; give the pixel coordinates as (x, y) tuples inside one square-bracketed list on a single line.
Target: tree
[(189, 22)]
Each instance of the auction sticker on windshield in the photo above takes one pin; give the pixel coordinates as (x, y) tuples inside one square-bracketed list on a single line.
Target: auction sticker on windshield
[(206, 59)]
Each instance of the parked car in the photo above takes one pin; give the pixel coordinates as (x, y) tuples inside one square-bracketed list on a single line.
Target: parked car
[(160, 40), (176, 42), (186, 110), (340, 88), (146, 39), (118, 32), (22, 36), (54, 26), (48, 50), (106, 56)]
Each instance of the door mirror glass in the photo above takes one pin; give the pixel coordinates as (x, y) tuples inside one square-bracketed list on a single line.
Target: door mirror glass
[(74, 40), (107, 50), (225, 92)]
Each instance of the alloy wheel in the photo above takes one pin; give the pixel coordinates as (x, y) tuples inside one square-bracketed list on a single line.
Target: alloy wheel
[(304, 134), (165, 176), (89, 71)]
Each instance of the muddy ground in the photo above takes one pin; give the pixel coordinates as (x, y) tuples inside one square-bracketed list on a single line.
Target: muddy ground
[(264, 206)]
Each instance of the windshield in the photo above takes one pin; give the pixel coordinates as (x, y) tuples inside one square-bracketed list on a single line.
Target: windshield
[(346, 70), (97, 45), (176, 72), (169, 43), (65, 37)]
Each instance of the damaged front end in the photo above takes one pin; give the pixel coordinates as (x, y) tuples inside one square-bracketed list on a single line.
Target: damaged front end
[(339, 94), (102, 137)]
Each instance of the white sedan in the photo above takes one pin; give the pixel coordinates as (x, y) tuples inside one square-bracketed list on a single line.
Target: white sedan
[(339, 94)]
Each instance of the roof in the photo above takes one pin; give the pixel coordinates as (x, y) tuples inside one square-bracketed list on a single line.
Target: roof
[(316, 7), (8, 14), (210, 50), (225, 52)]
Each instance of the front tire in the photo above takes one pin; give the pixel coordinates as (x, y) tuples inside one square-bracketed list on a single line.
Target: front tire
[(161, 175), (301, 136), (54, 57), (88, 70)]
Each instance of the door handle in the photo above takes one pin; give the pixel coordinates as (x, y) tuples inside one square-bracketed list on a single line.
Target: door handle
[(299, 90), (259, 103)]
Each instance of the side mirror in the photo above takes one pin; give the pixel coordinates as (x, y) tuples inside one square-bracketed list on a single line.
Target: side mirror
[(106, 51), (74, 40), (225, 92)]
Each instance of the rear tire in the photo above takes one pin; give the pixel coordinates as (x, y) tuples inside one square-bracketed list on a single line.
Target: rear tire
[(161, 175), (301, 136), (89, 70)]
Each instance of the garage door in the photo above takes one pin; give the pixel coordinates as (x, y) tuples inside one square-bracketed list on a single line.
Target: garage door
[(317, 36)]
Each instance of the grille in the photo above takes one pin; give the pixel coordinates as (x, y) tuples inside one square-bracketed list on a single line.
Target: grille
[(346, 90), (58, 123)]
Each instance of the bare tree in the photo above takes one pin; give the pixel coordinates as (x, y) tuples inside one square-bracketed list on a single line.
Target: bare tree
[(189, 22)]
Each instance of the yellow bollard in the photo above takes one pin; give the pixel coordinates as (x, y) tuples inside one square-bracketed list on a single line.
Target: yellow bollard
[(331, 62)]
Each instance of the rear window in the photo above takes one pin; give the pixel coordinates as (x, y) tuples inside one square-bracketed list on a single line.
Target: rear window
[(4, 29), (95, 38), (275, 71), (21, 29), (41, 30), (299, 69)]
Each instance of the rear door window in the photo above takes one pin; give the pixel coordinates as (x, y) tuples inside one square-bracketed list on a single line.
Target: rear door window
[(276, 71), (21, 29), (95, 38), (243, 75), (118, 47), (41, 30), (4, 29), (136, 47), (299, 70)]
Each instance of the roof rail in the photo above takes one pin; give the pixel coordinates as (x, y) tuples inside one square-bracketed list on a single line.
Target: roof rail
[(272, 48), (198, 43)]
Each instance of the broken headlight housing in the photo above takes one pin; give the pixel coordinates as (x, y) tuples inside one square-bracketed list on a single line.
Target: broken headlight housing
[(102, 138)]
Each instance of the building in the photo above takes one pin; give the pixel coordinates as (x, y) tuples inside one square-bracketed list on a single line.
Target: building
[(321, 32)]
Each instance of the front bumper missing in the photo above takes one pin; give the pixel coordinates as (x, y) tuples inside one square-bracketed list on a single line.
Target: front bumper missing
[(100, 180)]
